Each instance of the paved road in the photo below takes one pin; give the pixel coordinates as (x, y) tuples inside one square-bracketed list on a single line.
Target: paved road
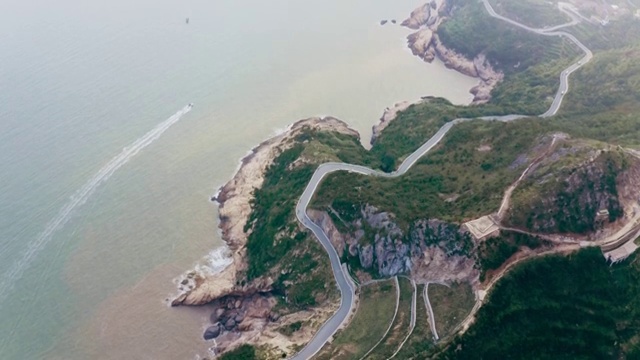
[(345, 285), (564, 76)]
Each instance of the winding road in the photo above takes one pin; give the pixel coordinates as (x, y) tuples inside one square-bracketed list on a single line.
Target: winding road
[(345, 285)]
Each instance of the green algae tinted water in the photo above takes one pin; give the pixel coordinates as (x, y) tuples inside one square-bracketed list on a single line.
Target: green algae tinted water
[(105, 173)]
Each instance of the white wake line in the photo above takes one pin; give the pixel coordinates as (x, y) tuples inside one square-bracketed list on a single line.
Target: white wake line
[(79, 198)]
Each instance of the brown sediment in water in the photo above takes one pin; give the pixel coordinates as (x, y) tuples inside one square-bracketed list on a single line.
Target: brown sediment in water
[(115, 326)]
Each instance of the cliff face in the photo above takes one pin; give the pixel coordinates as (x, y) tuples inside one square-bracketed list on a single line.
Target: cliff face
[(431, 250), (426, 44), (577, 190)]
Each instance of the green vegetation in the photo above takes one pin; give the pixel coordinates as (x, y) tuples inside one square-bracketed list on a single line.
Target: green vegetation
[(244, 352), (530, 62), (610, 81), (372, 319), (420, 343), (533, 13), (419, 122), (617, 34), (289, 329), (450, 191), (566, 199), (276, 245), (472, 31), (575, 307), (493, 252), (450, 305), (463, 178), (401, 324)]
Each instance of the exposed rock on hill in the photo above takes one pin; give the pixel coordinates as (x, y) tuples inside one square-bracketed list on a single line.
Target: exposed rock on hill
[(576, 190), (432, 250)]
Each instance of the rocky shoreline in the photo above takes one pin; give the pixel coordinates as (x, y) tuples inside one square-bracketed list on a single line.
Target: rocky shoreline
[(234, 201), (243, 312), (426, 44)]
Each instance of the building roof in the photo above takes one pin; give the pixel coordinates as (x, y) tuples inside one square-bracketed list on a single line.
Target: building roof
[(482, 227)]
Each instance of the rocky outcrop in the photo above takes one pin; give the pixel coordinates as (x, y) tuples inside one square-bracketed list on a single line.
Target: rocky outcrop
[(388, 116), (255, 319), (240, 313), (418, 17), (243, 311), (577, 189), (426, 44), (234, 199), (432, 250), (489, 79), (420, 43), (453, 60)]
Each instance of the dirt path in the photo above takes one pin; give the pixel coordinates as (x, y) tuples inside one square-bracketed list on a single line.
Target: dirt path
[(504, 206), (392, 320), (432, 318), (412, 324)]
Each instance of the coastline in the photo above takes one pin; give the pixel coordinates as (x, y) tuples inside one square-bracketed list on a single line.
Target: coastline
[(426, 44), (258, 322), (200, 286), (234, 203)]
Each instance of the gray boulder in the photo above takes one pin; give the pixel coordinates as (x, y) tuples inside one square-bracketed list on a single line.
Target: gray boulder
[(212, 332)]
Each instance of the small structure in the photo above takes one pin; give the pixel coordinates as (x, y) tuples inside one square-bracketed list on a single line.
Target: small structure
[(482, 228), (621, 253), (602, 215)]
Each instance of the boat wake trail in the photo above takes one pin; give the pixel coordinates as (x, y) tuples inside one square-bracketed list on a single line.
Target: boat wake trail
[(79, 198)]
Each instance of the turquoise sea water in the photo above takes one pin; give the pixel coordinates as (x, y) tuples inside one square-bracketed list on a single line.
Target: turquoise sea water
[(95, 218)]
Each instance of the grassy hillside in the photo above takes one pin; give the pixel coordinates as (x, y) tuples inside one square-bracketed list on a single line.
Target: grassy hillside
[(610, 81), (531, 63), (461, 179), (420, 343), (534, 13), (400, 327), (373, 317), (566, 192), (450, 304), (276, 244), (471, 31)]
